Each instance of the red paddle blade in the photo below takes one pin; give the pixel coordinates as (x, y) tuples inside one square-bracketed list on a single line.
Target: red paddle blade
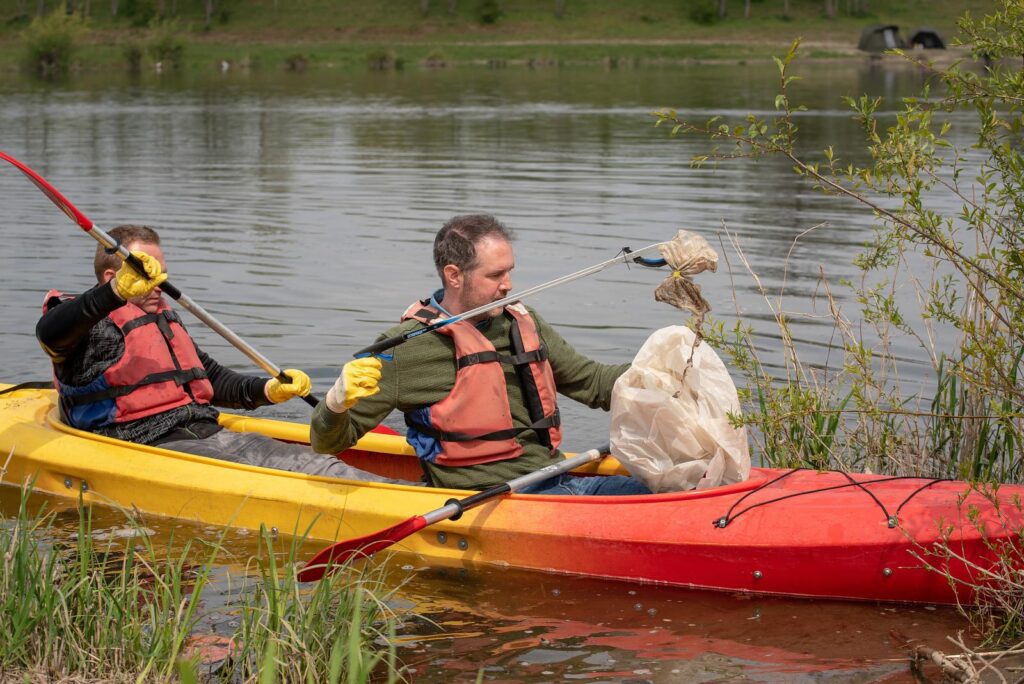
[(67, 207), (327, 560)]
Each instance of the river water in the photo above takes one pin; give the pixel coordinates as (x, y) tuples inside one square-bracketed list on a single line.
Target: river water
[(300, 210)]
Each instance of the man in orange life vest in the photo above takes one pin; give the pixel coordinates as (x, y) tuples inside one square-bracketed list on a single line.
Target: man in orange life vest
[(478, 395), (125, 367)]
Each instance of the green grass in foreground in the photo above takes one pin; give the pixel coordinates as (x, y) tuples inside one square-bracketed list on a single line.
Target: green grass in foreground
[(89, 611)]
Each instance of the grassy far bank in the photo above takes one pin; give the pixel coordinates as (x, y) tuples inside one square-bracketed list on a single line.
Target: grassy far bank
[(209, 55), (343, 33)]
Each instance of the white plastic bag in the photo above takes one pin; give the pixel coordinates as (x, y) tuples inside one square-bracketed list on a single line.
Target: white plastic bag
[(670, 428)]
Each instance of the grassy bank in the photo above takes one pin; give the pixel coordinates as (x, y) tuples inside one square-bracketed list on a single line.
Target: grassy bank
[(353, 33), (115, 607), (213, 55)]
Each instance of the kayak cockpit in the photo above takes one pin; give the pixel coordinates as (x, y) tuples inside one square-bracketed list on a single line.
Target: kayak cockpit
[(389, 455)]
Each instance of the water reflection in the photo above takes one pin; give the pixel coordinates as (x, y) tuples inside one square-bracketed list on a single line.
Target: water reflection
[(300, 209), (518, 628), (529, 627)]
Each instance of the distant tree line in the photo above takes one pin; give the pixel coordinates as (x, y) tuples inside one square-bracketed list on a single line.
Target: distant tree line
[(831, 7), (487, 10)]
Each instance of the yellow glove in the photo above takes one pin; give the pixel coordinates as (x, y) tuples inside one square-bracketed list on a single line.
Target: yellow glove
[(278, 391), (128, 284), (358, 379)]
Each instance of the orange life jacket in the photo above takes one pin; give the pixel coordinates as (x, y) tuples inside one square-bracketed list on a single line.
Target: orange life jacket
[(473, 424), (159, 370)]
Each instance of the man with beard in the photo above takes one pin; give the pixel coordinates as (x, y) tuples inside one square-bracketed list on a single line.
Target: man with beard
[(478, 395)]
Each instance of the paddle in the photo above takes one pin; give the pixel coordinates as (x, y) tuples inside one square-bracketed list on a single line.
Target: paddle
[(327, 560), (625, 257), (186, 302)]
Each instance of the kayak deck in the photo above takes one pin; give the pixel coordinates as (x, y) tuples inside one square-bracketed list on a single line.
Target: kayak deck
[(797, 533)]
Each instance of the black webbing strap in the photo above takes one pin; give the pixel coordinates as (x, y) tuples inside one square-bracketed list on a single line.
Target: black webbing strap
[(180, 377), (513, 360), (496, 436), (529, 385), (32, 384), (162, 320), (165, 328)]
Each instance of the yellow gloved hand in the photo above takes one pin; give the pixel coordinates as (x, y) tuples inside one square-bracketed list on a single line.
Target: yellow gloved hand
[(278, 391), (129, 284), (358, 379)]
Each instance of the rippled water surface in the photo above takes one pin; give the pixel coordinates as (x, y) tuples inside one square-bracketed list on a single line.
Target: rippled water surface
[(300, 210)]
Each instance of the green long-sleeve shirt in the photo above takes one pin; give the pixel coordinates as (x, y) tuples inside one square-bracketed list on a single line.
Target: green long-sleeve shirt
[(422, 373)]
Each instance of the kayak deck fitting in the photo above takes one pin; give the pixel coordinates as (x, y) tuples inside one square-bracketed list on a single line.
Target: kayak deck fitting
[(795, 533)]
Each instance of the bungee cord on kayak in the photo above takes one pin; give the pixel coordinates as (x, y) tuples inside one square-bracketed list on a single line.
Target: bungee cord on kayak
[(891, 519), (31, 384)]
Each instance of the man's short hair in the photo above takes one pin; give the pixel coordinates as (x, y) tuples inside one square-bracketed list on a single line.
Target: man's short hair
[(456, 242), (126, 235)]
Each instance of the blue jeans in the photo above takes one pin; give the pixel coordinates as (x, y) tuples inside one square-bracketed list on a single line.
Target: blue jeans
[(613, 485)]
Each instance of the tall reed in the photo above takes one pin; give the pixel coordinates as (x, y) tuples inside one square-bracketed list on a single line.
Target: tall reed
[(127, 610), (948, 228)]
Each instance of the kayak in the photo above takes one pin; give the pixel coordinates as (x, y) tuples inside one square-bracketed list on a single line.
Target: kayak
[(786, 532)]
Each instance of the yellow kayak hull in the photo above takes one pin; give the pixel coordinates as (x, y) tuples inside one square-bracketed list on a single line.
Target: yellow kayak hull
[(63, 461), (800, 533)]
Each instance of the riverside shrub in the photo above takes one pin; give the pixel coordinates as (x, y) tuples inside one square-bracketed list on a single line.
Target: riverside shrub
[(50, 42), (965, 266)]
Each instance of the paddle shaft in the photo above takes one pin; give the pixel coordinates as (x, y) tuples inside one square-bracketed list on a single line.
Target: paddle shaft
[(454, 508), (329, 558), (173, 292), (626, 257)]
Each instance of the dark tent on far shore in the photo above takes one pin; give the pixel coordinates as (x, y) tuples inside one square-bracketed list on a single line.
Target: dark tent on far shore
[(880, 37), (928, 38)]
